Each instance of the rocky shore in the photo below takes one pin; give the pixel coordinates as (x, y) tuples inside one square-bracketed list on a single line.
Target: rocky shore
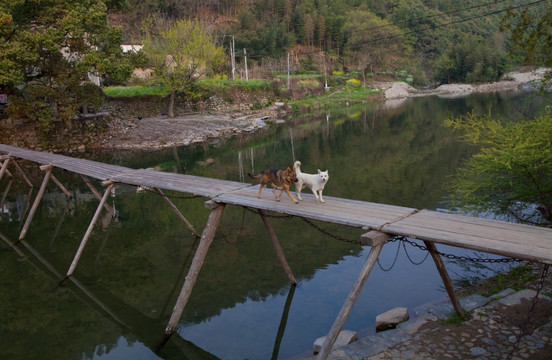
[(490, 332), (511, 81)]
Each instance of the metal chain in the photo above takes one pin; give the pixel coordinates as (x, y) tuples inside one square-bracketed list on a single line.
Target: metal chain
[(394, 260), (397, 238), (255, 211), (328, 233), (412, 261), (525, 324), (459, 257)]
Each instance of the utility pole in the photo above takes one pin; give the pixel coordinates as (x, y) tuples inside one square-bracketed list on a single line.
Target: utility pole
[(245, 58), (233, 57), (288, 71)]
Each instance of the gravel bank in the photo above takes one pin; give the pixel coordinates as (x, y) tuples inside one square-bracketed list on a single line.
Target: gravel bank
[(512, 81)]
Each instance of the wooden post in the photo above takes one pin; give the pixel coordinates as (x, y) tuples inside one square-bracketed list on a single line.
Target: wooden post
[(23, 174), (6, 192), (98, 196), (199, 257), (444, 276), (89, 231), (377, 240), (60, 185), (4, 167), (175, 209), (48, 169), (277, 247)]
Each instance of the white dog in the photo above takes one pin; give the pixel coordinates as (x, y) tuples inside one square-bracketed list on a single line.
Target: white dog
[(314, 181)]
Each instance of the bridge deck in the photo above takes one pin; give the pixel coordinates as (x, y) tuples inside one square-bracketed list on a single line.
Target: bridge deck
[(497, 237)]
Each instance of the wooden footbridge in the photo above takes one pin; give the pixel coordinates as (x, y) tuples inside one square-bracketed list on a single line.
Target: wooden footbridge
[(381, 221)]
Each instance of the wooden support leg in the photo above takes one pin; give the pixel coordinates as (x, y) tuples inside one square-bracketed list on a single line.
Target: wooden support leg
[(199, 257), (60, 185), (6, 192), (48, 169), (23, 174), (445, 277), (377, 241), (4, 167), (98, 196), (277, 247), (89, 231), (175, 209)]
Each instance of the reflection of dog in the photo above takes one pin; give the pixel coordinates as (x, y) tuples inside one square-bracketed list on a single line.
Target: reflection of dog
[(280, 179), (315, 181)]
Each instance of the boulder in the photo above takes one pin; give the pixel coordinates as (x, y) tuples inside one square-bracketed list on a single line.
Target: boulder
[(390, 319), (345, 337)]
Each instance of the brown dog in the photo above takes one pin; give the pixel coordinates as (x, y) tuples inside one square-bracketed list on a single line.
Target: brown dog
[(280, 179)]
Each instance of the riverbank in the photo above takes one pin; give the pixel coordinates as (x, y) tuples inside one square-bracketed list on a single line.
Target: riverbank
[(434, 333), (162, 131), (130, 128), (511, 81)]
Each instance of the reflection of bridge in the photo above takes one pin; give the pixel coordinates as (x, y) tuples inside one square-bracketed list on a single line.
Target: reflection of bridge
[(497, 237)]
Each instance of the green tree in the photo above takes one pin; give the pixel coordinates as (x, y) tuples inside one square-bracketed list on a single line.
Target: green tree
[(180, 54), (531, 33), (373, 43), (472, 60), (47, 50), (512, 173)]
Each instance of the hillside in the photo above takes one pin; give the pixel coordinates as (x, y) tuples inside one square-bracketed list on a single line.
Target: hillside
[(440, 41)]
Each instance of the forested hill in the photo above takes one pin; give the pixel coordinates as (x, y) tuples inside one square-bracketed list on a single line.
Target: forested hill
[(433, 40)]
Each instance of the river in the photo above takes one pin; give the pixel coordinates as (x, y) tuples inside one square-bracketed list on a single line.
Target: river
[(120, 298)]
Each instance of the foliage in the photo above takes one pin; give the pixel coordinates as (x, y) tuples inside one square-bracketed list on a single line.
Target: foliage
[(512, 173), (368, 41), (374, 36), (180, 54), (531, 30), (473, 60), (47, 50)]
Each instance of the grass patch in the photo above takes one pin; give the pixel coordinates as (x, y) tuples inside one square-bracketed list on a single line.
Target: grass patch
[(518, 278), (456, 319), (159, 90), (129, 91), (339, 98), (250, 85)]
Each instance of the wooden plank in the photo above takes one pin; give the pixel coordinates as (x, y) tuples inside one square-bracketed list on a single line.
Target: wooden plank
[(493, 236), (190, 184), (336, 210), (497, 237)]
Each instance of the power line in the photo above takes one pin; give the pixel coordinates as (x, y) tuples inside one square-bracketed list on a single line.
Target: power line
[(432, 27), (421, 20), (446, 24)]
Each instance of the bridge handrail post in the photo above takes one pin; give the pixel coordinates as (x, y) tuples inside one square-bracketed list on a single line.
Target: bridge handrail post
[(377, 239)]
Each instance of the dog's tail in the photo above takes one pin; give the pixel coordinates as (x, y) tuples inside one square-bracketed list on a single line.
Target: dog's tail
[(254, 176), (297, 167)]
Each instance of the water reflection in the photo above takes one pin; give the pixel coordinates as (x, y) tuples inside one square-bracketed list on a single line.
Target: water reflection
[(242, 305)]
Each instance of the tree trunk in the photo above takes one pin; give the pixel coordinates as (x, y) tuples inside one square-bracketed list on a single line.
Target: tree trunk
[(171, 105)]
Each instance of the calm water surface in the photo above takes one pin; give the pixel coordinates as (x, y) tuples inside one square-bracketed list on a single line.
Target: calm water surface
[(120, 298)]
